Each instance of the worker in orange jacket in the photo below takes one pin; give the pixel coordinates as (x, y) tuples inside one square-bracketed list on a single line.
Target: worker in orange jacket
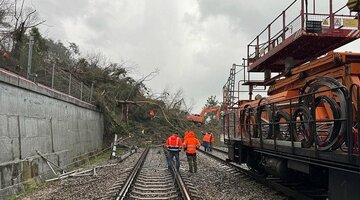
[(190, 146), (212, 140), (186, 134), (206, 141), (173, 145)]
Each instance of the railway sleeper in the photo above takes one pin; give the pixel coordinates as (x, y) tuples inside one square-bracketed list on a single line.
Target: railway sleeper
[(158, 186), (151, 188), (149, 194), (173, 197)]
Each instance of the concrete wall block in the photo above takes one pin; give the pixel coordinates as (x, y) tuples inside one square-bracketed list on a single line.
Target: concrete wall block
[(13, 126), (43, 90), (13, 80), (32, 86), (4, 133), (57, 135), (35, 106), (45, 124), (46, 144), (16, 172), (29, 146), (23, 83), (30, 127), (11, 191), (43, 127), (10, 173), (22, 126), (7, 149), (4, 77), (41, 164), (36, 137), (60, 132), (64, 158), (8, 99), (6, 176)]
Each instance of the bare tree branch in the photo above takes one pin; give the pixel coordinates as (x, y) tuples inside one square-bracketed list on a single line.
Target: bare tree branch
[(37, 24), (21, 8), (148, 77)]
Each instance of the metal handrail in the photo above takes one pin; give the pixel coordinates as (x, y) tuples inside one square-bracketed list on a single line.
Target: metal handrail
[(291, 105), (266, 43)]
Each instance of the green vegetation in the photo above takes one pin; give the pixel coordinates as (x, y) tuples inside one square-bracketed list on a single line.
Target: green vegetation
[(111, 81), (32, 185)]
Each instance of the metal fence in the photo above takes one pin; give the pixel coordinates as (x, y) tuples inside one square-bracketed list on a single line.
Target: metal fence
[(54, 77)]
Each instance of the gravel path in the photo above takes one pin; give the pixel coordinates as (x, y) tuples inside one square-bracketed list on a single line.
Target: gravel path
[(217, 181), (86, 187)]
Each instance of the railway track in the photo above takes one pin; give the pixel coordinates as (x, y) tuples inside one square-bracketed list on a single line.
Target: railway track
[(294, 190), (151, 179), (220, 150)]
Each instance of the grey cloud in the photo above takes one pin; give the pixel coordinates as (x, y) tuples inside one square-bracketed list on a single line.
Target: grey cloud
[(193, 43), (244, 15), (61, 9)]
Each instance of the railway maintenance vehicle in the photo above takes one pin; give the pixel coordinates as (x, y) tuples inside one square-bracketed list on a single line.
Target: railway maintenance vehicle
[(306, 127)]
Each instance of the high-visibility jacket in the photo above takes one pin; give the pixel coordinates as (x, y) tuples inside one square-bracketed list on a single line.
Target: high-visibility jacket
[(186, 135), (174, 143), (212, 139), (206, 138), (191, 143)]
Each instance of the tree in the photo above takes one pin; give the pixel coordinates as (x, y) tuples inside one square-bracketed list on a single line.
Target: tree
[(5, 8), (211, 102), (112, 81), (23, 18)]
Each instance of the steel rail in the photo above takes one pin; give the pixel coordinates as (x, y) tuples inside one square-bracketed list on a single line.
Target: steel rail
[(261, 179), (180, 182), (133, 174), (219, 150)]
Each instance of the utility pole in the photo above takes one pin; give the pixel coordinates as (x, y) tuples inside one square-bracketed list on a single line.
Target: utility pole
[(31, 43)]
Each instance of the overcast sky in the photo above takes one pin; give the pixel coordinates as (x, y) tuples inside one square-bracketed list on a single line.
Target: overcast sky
[(192, 42)]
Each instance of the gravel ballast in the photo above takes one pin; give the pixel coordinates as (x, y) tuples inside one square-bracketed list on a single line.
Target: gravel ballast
[(86, 187), (213, 180), (218, 181)]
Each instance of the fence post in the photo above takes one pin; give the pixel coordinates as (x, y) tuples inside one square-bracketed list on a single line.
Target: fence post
[(91, 91), (113, 153), (70, 84), (81, 90), (53, 76), (31, 42)]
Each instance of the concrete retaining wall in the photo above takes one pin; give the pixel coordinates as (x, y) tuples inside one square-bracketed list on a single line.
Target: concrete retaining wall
[(34, 117)]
